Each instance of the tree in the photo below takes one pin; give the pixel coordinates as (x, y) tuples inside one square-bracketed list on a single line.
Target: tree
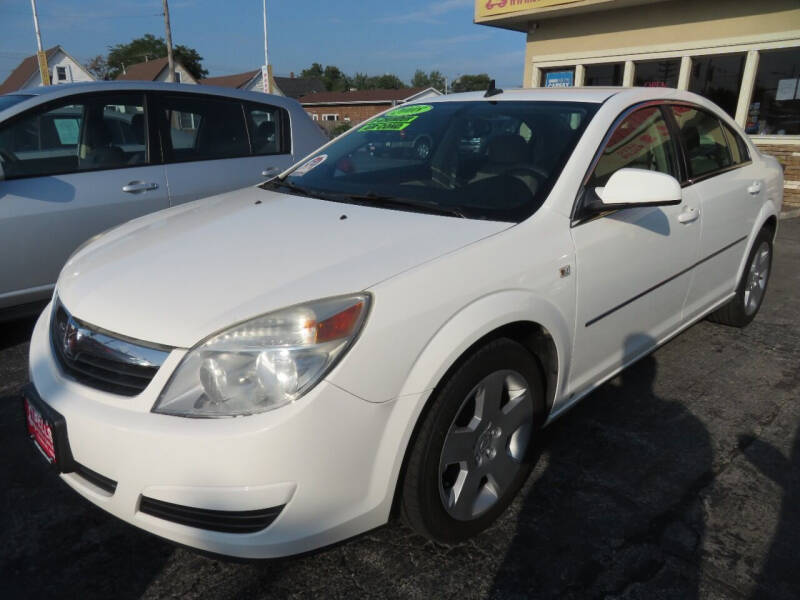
[(314, 71), (472, 83), (98, 67), (437, 80), (387, 81), (149, 47), (434, 79), (335, 80), (420, 79)]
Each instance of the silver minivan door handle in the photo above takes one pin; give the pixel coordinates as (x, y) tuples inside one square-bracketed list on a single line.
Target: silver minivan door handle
[(135, 187), (755, 188)]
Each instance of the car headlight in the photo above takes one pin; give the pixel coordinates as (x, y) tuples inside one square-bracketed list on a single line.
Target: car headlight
[(264, 363)]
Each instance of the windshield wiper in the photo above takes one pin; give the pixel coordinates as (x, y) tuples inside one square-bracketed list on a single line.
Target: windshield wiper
[(276, 183), (371, 199)]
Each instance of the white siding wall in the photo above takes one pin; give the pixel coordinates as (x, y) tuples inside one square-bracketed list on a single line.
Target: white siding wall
[(186, 77), (74, 72)]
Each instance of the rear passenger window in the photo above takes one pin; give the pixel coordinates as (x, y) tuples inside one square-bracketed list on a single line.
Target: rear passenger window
[(641, 141), (266, 129), (704, 141), (739, 151), (205, 128)]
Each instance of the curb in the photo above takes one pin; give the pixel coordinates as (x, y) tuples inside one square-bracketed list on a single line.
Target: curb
[(790, 214)]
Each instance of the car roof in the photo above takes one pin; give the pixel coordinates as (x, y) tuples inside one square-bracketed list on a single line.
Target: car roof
[(593, 95), (51, 92)]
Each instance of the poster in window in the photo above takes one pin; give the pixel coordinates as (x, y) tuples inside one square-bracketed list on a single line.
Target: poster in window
[(559, 79), (787, 89)]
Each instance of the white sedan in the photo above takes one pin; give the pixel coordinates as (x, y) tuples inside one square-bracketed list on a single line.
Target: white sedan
[(269, 371)]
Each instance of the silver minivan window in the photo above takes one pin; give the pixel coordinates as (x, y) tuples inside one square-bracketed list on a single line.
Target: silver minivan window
[(88, 134)]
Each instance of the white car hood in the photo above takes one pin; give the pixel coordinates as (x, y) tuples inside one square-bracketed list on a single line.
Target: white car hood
[(175, 277)]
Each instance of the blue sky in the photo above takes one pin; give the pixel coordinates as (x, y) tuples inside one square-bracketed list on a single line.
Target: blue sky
[(395, 36)]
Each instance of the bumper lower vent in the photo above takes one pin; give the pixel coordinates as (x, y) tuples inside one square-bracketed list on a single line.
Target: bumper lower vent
[(248, 521)]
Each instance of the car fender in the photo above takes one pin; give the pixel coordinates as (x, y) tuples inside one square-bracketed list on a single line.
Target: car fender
[(476, 320), (445, 347), (769, 209)]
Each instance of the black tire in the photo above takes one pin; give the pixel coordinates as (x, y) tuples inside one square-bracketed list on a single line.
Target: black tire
[(422, 506), (735, 312)]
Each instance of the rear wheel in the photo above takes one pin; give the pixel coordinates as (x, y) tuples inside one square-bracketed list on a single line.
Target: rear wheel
[(472, 453), (752, 287)]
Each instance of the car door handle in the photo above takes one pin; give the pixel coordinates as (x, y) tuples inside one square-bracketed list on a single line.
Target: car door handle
[(688, 215), (755, 188), (134, 187), (270, 172)]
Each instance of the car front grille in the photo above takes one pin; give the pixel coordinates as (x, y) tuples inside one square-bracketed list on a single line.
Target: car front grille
[(248, 521), (102, 360)]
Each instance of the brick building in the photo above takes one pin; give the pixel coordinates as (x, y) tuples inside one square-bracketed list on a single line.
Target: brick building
[(356, 106)]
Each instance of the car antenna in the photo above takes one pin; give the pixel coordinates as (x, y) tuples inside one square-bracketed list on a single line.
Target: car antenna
[(492, 91)]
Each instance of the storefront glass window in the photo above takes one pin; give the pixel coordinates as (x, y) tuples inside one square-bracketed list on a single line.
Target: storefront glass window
[(775, 107), (718, 78), (604, 74), (657, 73), (558, 77)]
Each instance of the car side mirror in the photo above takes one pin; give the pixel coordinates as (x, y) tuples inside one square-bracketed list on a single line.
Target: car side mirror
[(639, 187)]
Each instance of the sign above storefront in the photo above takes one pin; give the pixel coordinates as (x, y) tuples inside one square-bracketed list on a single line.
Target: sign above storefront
[(491, 8)]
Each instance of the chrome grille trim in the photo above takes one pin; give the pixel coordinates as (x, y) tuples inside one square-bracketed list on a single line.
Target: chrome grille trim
[(100, 359)]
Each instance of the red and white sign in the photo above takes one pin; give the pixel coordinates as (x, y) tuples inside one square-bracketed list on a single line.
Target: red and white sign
[(40, 431)]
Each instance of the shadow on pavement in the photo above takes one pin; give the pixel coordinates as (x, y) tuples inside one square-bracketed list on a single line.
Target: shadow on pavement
[(16, 332), (54, 543), (780, 573), (612, 509)]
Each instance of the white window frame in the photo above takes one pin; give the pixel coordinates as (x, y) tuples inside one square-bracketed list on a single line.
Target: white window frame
[(334, 115), (630, 56), (314, 117)]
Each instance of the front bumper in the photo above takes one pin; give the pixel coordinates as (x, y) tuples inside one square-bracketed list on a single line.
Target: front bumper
[(330, 460)]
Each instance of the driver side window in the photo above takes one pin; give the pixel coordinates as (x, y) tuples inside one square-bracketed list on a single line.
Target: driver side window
[(641, 141)]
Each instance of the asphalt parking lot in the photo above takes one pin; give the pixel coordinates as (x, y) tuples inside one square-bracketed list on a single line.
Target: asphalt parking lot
[(679, 479)]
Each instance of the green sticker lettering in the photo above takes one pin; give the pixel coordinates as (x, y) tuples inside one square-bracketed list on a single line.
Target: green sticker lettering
[(387, 123), (414, 109)]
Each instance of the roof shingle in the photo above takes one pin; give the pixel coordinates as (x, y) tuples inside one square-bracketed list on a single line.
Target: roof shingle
[(24, 71)]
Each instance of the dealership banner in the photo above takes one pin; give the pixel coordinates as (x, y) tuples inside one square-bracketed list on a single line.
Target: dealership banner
[(490, 8)]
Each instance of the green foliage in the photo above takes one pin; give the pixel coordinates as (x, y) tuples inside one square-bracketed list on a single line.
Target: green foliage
[(336, 81), (472, 83), (340, 128), (98, 67), (434, 79), (149, 47)]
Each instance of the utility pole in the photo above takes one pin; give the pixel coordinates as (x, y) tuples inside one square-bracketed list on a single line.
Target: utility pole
[(44, 70), (266, 70), (170, 60)]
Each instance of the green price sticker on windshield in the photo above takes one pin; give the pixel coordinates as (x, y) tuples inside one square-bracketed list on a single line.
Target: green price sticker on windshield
[(387, 123), (407, 111)]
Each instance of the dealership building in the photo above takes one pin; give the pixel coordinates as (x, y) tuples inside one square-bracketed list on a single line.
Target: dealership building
[(742, 54)]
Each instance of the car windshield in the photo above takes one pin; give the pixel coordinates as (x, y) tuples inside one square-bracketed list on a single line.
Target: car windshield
[(478, 159), (10, 100)]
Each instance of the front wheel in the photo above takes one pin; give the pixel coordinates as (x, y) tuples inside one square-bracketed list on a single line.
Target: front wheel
[(752, 287), (472, 453)]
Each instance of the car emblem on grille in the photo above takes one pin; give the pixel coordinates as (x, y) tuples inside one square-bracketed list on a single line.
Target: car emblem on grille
[(72, 338)]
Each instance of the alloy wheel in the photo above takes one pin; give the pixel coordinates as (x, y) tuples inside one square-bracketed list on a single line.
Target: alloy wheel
[(485, 445), (757, 277)]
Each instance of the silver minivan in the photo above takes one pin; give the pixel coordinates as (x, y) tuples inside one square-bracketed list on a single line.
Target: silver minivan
[(78, 159)]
